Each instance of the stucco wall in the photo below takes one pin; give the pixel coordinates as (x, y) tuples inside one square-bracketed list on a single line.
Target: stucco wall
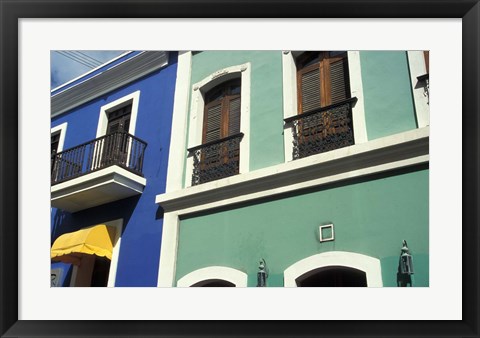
[(371, 216), (389, 107)]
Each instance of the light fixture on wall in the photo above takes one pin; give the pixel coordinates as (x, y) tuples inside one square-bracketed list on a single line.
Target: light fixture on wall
[(406, 262), (262, 274)]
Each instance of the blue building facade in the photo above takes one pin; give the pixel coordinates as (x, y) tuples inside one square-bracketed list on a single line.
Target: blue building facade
[(110, 134)]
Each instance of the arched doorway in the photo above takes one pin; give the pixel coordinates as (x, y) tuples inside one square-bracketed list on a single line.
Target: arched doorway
[(214, 283), (214, 276), (333, 276), (335, 267)]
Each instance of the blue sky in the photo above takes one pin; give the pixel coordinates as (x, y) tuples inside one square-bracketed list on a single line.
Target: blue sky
[(66, 65)]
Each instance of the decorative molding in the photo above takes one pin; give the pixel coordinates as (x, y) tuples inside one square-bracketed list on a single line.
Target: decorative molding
[(112, 78), (386, 153), (219, 73), (326, 239)]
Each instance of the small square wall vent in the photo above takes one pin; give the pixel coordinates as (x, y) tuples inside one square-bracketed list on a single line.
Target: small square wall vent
[(326, 233)]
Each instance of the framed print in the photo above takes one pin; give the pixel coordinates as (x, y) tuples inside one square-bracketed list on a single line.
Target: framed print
[(426, 165)]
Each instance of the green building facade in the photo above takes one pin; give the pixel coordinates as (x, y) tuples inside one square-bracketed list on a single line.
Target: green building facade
[(313, 165)]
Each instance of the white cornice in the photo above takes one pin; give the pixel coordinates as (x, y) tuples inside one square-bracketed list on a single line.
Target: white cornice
[(113, 78), (392, 152)]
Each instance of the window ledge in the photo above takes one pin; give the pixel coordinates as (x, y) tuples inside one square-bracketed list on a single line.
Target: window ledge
[(391, 152)]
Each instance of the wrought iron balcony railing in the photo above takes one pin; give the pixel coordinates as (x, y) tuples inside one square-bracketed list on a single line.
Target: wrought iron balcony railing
[(216, 159), (119, 148), (322, 129)]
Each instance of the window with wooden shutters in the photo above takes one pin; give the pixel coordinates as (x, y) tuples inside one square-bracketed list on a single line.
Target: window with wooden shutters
[(219, 154), (323, 79), (222, 111), (324, 120)]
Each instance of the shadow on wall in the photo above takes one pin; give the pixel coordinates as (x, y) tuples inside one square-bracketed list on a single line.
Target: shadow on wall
[(159, 213), (64, 222)]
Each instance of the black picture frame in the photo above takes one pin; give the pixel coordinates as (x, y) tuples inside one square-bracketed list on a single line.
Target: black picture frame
[(11, 11)]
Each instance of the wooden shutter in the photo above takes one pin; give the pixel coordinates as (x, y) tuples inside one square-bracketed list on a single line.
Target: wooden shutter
[(322, 80), (309, 89), (213, 123), (222, 111), (339, 83), (234, 117)]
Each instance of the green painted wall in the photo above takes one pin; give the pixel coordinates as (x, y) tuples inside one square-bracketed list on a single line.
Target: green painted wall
[(370, 217), (266, 104), (389, 107)]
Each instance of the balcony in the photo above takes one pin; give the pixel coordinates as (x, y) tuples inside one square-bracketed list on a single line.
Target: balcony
[(97, 172), (216, 159), (323, 129)]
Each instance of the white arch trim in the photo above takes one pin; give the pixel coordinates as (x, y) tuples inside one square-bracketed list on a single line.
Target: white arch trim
[(234, 276), (371, 266)]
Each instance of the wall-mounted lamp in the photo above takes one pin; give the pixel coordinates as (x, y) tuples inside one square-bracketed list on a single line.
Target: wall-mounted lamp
[(406, 262), (405, 267), (262, 273)]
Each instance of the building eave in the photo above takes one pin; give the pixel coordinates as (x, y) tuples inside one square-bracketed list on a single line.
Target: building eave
[(111, 79)]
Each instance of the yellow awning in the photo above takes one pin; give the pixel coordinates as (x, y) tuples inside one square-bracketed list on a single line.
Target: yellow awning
[(96, 240)]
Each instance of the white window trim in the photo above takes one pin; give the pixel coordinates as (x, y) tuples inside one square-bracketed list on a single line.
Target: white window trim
[(197, 111), (370, 265), (62, 128), (290, 98), (234, 276), (132, 98), (112, 273), (417, 67)]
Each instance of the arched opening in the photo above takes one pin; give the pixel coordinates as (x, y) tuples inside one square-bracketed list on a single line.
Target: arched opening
[(365, 270), (214, 283), (214, 276), (333, 276)]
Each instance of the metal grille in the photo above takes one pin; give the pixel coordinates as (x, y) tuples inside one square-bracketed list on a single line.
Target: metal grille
[(215, 160), (322, 130), (119, 148)]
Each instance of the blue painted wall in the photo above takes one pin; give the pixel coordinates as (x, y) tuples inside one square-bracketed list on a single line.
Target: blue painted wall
[(143, 220)]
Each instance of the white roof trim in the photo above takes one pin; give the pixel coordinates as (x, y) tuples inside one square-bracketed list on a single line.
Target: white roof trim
[(111, 79)]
